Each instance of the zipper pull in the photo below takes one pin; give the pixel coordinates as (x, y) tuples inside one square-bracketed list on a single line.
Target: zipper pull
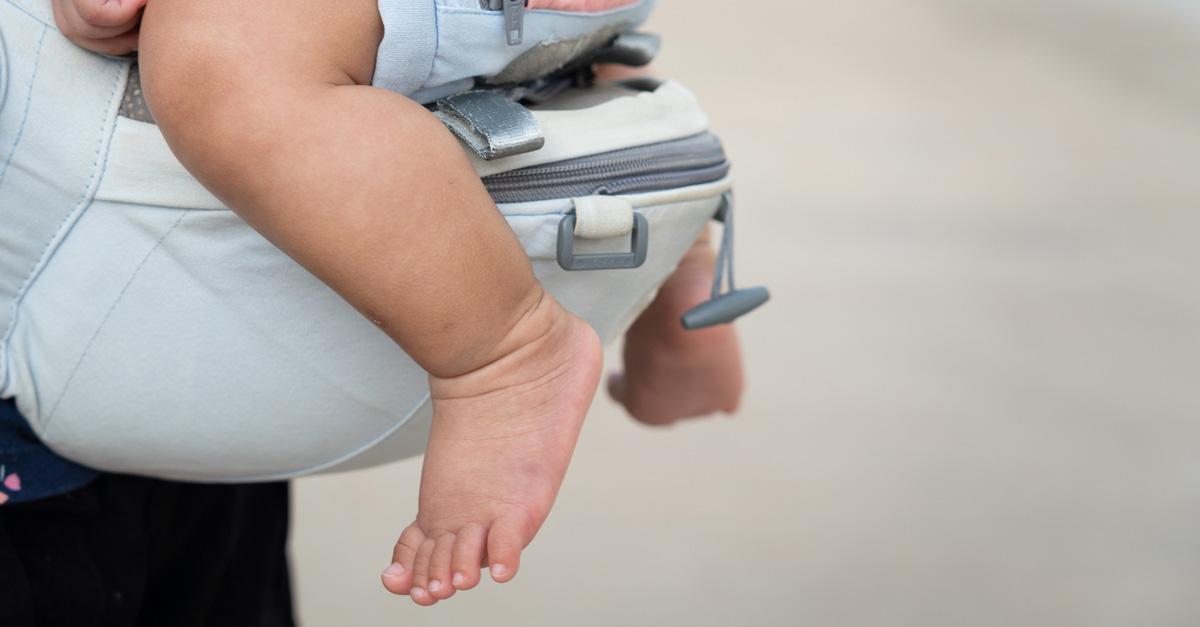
[(514, 18), (514, 21), (727, 307)]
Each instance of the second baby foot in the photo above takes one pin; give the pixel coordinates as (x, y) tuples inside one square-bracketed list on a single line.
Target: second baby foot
[(501, 440), (672, 373)]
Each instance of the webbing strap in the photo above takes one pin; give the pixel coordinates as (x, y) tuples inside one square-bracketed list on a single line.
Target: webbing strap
[(725, 253), (491, 124)]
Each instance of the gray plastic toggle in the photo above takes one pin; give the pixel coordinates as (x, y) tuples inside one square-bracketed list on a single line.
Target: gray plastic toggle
[(490, 124), (727, 307)]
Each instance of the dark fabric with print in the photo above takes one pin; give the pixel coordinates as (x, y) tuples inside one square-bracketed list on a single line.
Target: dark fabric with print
[(134, 551), (38, 472)]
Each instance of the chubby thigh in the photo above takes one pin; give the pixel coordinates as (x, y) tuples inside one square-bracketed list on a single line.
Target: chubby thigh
[(269, 41)]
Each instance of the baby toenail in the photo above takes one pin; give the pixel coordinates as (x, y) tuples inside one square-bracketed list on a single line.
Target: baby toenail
[(435, 585), (498, 571), (457, 580), (417, 592), (395, 570)]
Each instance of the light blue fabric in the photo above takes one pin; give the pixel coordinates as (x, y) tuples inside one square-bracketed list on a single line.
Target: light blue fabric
[(117, 318), (433, 48), (28, 237), (406, 53), (52, 151), (145, 328)]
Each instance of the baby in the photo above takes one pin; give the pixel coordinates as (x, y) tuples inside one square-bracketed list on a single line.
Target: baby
[(269, 105)]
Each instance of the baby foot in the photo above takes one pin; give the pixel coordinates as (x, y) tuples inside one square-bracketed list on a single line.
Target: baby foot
[(501, 440), (671, 373)]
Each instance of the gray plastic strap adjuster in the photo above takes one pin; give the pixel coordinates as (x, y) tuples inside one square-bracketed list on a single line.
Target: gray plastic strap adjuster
[(489, 123), (639, 247)]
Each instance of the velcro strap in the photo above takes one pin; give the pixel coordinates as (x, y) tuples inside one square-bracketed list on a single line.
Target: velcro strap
[(602, 217), (490, 124)]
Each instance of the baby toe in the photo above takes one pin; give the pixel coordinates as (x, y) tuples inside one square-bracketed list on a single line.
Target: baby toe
[(467, 556), (420, 582), (397, 578), (507, 537), (440, 585)]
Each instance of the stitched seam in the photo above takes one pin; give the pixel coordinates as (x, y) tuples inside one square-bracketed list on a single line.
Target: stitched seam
[(37, 56), (80, 204), (437, 45), (4, 71), (5, 367), (345, 457), (103, 321)]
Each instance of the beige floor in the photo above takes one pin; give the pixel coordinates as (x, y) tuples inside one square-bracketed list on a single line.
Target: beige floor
[(974, 400)]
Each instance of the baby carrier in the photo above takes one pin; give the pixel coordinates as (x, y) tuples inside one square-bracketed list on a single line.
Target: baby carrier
[(163, 336)]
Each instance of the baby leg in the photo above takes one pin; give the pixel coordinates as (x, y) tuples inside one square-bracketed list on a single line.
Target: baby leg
[(500, 443), (671, 373), (266, 103)]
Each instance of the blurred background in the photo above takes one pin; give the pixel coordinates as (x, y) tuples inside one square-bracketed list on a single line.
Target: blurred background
[(974, 399)]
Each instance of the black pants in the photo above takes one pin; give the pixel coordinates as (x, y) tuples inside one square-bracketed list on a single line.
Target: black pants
[(133, 551)]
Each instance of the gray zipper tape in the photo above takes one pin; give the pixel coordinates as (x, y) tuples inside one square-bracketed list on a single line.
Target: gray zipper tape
[(653, 167)]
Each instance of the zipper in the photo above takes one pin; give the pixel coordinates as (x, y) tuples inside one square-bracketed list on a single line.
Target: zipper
[(654, 167), (514, 18)]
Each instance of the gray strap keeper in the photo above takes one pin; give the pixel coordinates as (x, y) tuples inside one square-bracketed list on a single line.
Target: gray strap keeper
[(489, 123), (570, 261)]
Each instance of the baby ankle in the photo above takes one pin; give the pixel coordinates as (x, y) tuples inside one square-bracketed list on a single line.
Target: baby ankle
[(533, 317)]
